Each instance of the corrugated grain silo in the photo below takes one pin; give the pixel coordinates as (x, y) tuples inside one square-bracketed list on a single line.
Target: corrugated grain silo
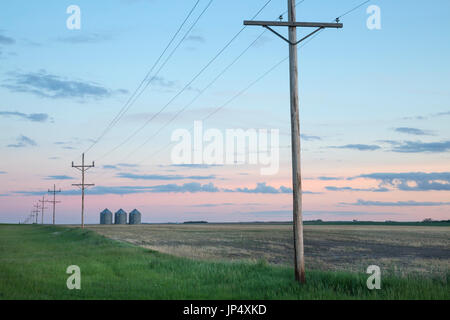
[(135, 217), (120, 217), (106, 217)]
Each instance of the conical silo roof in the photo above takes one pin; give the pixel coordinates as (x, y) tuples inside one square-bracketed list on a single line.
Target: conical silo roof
[(135, 211)]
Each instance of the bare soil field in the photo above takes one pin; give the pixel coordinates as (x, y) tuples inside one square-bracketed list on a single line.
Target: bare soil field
[(399, 250)]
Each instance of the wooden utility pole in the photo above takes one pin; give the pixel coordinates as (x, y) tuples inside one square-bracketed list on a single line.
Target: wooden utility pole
[(83, 168), (292, 24), (43, 207), (54, 191), (36, 211)]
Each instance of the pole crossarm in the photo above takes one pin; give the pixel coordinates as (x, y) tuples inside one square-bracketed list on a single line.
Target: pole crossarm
[(83, 184), (269, 24), (293, 24)]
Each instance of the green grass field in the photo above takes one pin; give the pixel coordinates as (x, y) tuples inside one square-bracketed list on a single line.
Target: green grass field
[(33, 262)]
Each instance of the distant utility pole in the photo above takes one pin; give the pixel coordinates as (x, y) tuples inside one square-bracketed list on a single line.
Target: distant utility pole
[(29, 218), (43, 207), (36, 211), (54, 191), (295, 125), (83, 168)]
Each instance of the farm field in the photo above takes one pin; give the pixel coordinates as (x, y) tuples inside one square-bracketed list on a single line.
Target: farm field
[(34, 259), (397, 250)]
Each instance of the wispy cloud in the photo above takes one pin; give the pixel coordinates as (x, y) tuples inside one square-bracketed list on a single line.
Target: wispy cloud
[(422, 147), (195, 38), (52, 86), (396, 203), (441, 114), (307, 137), (413, 131), (62, 177), (412, 181), (6, 40), (22, 142), (261, 188), (35, 117), (162, 82), (128, 165), (84, 38), (191, 187), (119, 166), (194, 166), (359, 147), (431, 115), (110, 166), (212, 205), (332, 188), (162, 177), (391, 142), (322, 178), (72, 143)]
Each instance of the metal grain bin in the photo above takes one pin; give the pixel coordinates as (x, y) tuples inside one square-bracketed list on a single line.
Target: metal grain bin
[(106, 217), (120, 217), (135, 217)]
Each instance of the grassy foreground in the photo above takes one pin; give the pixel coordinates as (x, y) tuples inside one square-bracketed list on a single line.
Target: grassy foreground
[(33, 262)]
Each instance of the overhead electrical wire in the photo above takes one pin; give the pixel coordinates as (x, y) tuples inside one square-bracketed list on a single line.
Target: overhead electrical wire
[(134, 133), (207, 86), (253, 82), (127, 105), (257, 80)]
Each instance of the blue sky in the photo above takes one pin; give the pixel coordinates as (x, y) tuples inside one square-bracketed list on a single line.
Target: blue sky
[(372, 101)]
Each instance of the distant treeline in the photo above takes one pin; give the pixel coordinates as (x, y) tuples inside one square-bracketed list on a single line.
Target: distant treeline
[(191, 222), (426, 222)]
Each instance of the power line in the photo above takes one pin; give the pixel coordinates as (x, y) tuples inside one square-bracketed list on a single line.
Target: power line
[(271, 69), (184, 88), (197, 96), (255, 81), (127, 104), (351, 10), (228, 101), (209, 85)]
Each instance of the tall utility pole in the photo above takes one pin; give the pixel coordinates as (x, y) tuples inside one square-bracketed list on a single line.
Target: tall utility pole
[(54, 191), (83, 168), (43, 207), (295, 124)]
